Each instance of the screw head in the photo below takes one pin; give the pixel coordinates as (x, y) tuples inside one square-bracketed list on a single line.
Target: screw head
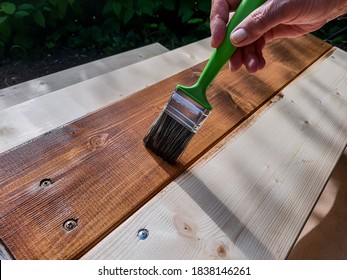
[(70, 224), (46, 182), (142, 234)]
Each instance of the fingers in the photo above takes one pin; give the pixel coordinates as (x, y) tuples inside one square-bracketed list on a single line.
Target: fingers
[(258, 49), (219, 18), (252, 42), (218, 30), (251, 56), (260, 22), (236, 61)]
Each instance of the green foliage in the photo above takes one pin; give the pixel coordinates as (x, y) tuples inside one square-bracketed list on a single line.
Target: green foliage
[(29, 27), (334, 32)]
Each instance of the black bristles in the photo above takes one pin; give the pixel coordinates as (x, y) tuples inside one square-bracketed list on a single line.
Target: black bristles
[(167, 138)]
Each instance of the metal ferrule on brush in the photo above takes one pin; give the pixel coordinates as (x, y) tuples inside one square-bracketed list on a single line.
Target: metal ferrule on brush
[(186, 111)]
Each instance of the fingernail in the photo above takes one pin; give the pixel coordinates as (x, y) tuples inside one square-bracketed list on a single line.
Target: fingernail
[(252, 63), (238, 36)]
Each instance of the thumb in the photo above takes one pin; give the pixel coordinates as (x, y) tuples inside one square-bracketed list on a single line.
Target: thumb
[(258, 24)]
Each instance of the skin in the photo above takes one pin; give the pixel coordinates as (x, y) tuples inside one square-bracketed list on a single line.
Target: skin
[(274, 19)]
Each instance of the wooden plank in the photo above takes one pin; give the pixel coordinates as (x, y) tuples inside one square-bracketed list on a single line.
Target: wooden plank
[(100, 170), (324, 236), (34, 88), (35, 117), (250, 196)]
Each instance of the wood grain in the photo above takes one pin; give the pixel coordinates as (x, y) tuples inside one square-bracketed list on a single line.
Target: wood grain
[(24, 121), (249, 197), (100, 171)]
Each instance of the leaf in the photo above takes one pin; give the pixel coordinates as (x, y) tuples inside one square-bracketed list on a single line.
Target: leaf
[(194, 20), (108, 7), (39, 18), (53, 2), (8, 8), (142, 4), (186, 10), (116, 7), (162, 26), (145, 7), (21, 14), (187, 15), (62, 5), (71, 2), (169, 5), (48, 9), (5, 30), (2, 19), (128, 16), (204, 6), (25, 7), (147, 11), (50, 45), (128, 4)]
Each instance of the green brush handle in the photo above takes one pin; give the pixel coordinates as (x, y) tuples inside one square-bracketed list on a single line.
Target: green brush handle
[(219, 56)]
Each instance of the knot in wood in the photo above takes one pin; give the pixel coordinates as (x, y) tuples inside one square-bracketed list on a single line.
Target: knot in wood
[(185, 226), (97, 141), (221, 251)]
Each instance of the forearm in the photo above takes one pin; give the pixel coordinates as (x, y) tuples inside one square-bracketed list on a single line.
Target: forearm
[(338, 8)]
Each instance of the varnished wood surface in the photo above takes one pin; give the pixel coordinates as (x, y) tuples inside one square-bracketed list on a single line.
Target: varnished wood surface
[(101, 172), (250, 195)]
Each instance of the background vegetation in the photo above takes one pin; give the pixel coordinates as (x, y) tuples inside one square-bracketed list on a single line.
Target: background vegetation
[(31, 28)]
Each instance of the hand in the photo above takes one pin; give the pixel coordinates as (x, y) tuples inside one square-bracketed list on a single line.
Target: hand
[(274, 19)]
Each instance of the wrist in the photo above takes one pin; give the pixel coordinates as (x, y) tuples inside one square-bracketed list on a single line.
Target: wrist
[(338, 8)]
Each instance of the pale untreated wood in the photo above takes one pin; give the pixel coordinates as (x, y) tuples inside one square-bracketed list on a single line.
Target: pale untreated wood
[(249, 197), (101, 172), (37, 116), (34, 88)]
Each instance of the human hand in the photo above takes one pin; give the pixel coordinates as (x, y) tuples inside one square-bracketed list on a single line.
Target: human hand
[(274, 19)]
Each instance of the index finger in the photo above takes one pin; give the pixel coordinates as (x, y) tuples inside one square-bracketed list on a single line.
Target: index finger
[(219, 18)]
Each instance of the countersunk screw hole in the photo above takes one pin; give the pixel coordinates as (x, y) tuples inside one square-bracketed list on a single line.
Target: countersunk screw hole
[(142, 234), (46, 183), (70, 224)]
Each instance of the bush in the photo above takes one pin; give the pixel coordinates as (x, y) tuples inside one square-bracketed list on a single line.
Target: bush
[(31, 28), (109, 26)]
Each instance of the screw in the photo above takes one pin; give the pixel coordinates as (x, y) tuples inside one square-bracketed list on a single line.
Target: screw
[(142, 234), (69, 225), (46, 183)]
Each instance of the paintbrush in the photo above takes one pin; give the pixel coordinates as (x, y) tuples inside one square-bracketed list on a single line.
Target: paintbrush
[(188, 107)]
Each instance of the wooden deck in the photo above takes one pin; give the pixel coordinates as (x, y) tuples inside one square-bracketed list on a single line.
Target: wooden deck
[(82, 184)]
